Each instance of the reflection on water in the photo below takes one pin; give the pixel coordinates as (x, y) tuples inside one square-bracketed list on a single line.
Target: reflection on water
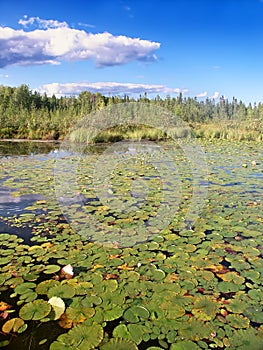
[(10, 148), (10, 204)]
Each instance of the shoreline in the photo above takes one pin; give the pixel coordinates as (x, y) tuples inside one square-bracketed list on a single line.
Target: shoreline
[(28, 140)]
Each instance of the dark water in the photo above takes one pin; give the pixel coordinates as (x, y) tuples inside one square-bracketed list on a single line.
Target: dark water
[(19, 148), (11, 205)]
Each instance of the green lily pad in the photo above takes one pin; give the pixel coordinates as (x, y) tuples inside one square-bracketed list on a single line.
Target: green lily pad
[(45, 286), (24, 287), (63, 291), (247, 340), (79, 314), (28, 296), (232, 277), (157, 274), (194, 330), (112, 312), (63, 343), (5, 260), (119, 344), (50, 269), (237, 321), (82, 337), (254, 276), (227, 287), (256, 294), (136, 332), (31, 277), (82, 288), (4, 277), (132, 332), (35, 310), (254, 313), (135, 313), (205, 308), (185, 345), (4, 343)]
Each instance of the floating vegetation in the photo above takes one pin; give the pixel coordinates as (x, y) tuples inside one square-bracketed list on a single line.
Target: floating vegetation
[(184, 289)]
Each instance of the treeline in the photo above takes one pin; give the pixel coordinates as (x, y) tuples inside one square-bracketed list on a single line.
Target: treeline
[(28, 114)]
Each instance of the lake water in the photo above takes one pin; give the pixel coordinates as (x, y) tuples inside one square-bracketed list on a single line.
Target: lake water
[(165, 241)]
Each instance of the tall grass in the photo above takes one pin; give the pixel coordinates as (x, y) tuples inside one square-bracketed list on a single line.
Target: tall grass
[(230, 130), (129, 132)]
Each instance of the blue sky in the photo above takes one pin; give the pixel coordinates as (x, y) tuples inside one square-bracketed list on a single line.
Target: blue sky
[(203, 48)]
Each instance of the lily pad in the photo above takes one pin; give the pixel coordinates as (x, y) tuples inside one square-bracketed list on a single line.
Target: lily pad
[(247, 340), (63, 291), (24, 287), (13, 325), (58, 306), (236, 306), (194, 330), (4, 343), (135, 313), (112, 312), (254, 313), (119, 344), (35, 310), (185, 345), (205, 308), (79, 315), (237, 321), (82, 337), (45, 286), (50, 269)]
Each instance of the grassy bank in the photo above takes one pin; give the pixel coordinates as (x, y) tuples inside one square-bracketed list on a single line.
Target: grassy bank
[(221, 131), (233, 130), (229, 131)]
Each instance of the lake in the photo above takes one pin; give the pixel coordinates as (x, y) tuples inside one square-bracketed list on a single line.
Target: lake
[(165, 242)]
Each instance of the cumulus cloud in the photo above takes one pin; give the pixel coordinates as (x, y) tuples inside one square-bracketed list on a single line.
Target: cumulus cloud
[(55, 42), (215, 96), (202, 94), (111, 88)]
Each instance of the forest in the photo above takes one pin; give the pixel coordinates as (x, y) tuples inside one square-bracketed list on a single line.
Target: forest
[(27, 114)]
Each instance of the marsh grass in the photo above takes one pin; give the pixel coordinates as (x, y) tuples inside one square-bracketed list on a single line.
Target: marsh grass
[(230, 130), (119, 133), (129, 132), (223, 130)]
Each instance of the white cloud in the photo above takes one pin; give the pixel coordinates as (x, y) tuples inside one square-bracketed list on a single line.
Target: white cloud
[(42, 23), (87, 25), (215, 96), (202, 94), (58, 42), (111, 88)]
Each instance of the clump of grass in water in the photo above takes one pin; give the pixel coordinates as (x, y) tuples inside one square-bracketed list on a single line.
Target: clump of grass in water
[(129, 132)]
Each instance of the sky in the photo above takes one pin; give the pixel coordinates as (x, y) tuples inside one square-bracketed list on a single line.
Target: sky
[(202, 48)]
